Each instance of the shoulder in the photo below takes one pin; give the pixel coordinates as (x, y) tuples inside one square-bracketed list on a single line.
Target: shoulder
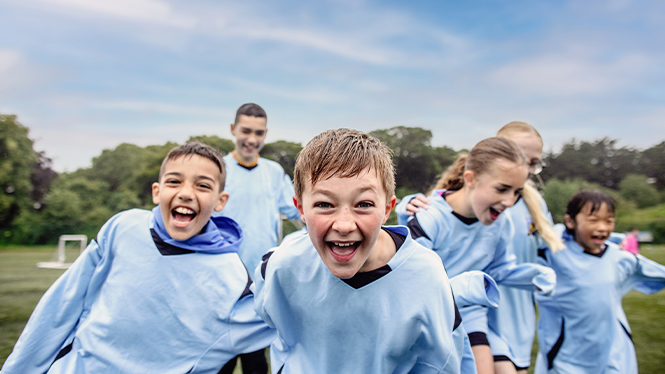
[(129, 217), (413, 254), (295, 251), (439, 208)]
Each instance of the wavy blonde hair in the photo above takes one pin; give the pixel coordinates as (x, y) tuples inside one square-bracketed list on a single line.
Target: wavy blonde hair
[(530, 193)]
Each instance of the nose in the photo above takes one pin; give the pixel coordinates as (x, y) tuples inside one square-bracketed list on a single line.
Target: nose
[(344, 222), (509, 200), (186, 192), (251, 138), (603, 226)]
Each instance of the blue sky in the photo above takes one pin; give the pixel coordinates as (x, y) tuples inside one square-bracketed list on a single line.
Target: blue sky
[(87, 75)]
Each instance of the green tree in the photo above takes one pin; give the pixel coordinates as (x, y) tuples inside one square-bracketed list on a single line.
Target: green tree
[(652, 164), (635, 188), (283, 152), (17, 160), (416, 166), (599, 162), (223, 145)]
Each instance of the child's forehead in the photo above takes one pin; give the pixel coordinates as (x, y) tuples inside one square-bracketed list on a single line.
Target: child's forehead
[(192, 163), (252, 122), (601, 209), (368, 175)]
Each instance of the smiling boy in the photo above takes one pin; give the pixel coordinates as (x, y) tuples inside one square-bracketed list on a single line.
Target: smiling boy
[(156, 291), (348, 295)]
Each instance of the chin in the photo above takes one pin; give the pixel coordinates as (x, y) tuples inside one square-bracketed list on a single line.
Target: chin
[(344, 273)]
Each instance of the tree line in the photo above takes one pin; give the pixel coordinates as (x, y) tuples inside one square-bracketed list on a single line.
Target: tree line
[(37, 204)]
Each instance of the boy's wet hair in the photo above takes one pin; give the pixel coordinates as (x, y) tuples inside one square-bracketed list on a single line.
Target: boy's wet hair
[(199, 149), (343, 153), (252, 110), (581, 199)]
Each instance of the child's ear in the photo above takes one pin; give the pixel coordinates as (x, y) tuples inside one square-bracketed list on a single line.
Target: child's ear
[(155, 193), (469, 179), (298, 204), (223, 199), (569, 222), (390, 204)]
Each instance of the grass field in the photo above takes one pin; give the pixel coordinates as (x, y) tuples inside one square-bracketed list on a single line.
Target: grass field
[(22, 284)]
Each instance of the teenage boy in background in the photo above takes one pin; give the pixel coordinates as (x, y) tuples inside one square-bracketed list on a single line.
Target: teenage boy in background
[(258, 191)]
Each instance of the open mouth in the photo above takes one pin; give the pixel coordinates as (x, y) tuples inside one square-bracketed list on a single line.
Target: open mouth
[(494, 214), (343, 251), (182, 216), (598, 239)]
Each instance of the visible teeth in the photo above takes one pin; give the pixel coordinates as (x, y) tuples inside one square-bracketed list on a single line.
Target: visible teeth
[(344, 244), (183, 210)]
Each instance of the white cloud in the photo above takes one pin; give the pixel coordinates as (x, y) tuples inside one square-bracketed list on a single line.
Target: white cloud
[(563, 74), (152, 11), (18, 75), (153, 107)]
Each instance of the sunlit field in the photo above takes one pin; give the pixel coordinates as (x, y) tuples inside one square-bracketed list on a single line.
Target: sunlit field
[(22, 284)]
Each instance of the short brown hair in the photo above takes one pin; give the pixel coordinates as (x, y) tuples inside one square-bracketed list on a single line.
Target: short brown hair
[(203, 150), (252, 110), (343, 153), (479, 160)]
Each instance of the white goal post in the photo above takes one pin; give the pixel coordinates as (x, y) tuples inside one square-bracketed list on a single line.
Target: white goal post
[(60, 252)]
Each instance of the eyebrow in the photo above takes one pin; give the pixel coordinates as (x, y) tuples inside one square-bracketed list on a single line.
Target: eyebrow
[(176, 174), (243, 128), (331, 193)]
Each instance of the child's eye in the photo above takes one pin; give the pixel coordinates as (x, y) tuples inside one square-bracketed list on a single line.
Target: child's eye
[(323, 205), (205, 186), (365, 204), (171, 181), (501, 189)]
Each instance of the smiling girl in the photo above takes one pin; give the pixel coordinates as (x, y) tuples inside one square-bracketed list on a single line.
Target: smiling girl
[(582, 327), (465, 225)]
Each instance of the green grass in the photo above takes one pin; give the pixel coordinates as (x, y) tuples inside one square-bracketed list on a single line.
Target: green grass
[(22, 284)]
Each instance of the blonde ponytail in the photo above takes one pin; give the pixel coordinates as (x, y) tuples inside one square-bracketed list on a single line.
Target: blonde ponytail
[(530, 194), (542, 225)]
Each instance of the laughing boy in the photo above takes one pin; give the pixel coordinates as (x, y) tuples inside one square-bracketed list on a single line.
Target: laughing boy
[(348, 295), (159, 291)]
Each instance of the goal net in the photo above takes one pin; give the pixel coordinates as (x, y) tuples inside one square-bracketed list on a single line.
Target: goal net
[(60, 256)]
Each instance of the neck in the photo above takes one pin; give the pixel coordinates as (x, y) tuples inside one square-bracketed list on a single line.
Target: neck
[(245, 163), (384, 250), (458, 200)]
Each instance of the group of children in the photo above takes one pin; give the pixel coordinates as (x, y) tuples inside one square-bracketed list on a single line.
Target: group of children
[(198, 281)]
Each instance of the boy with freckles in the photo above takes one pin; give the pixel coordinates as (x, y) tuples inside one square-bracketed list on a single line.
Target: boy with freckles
[(350, 295), (159, 291)]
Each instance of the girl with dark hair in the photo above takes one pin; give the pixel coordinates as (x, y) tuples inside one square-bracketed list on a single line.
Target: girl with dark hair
[(582, 327)]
